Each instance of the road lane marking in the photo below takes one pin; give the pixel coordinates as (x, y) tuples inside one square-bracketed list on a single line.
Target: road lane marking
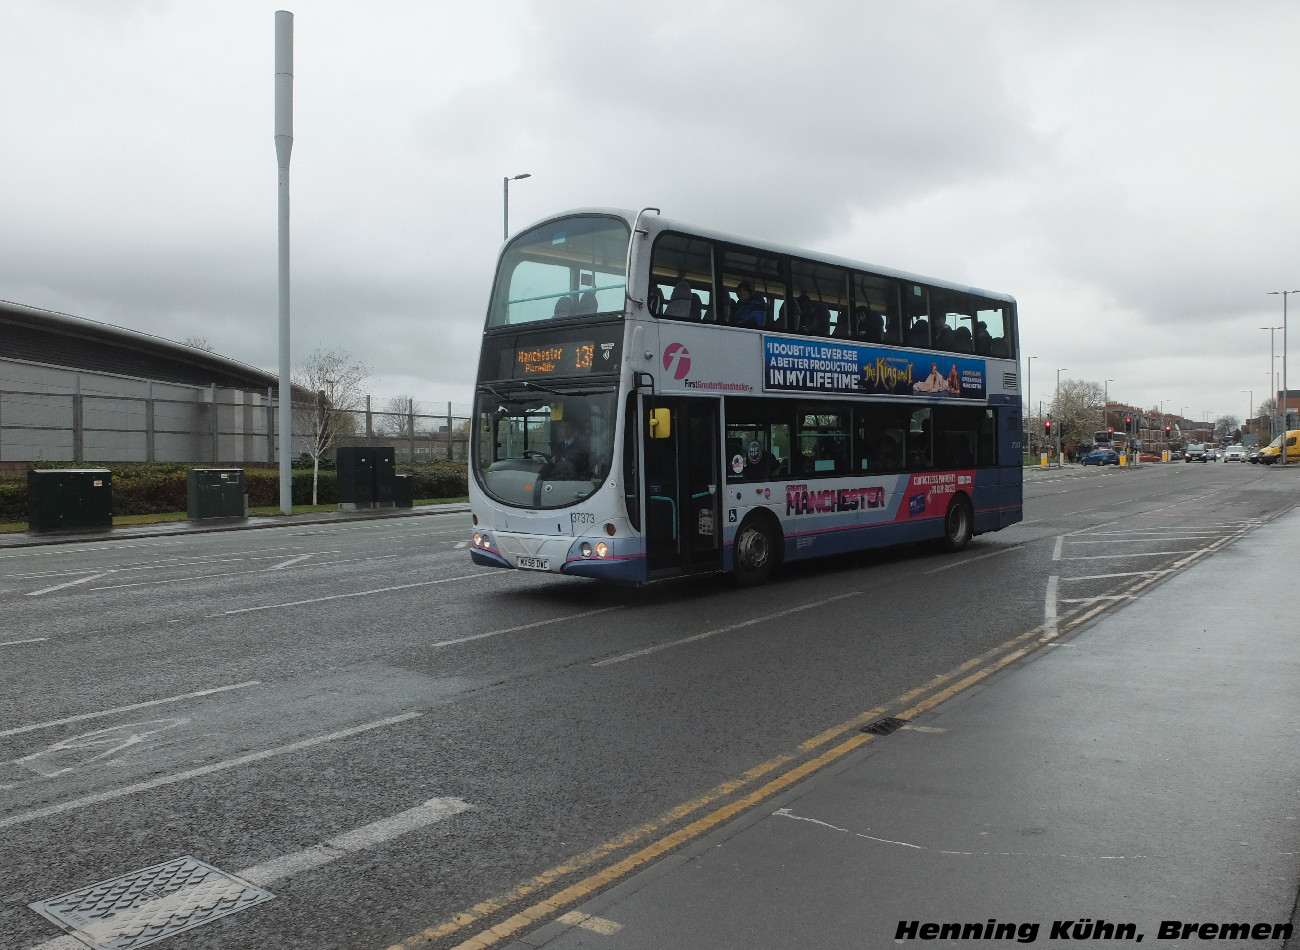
[(1111, 557), (1104, 577), (277, 869), (358, 593), (735, 626), (359, 839), (121, 709), (1060, 546), (260, 570), (113, 793), (526, 626), (80, 580), (969, 560), (14, 643), (1049, 608), (291, 561)]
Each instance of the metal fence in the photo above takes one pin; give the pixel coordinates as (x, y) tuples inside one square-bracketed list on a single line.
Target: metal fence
[(166, 422)]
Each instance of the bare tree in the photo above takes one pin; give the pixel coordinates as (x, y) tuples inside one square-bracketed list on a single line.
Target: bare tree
[(1225, 425), (200, 343), (1077, 409), (399, 417), (327, 389)]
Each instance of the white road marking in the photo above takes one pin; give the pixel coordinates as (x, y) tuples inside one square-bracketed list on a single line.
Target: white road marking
[(81, 580), (1060, 546), (1106, 577), (359, 593), (735, 626), (948, 567), (526, 626), (1093, 600), (359, 839), (1106, 557), (1181, 537), (292, 560), (461, 544), (88, 800), (12, 643), (260, 570), (121, 709), (1049, 610)]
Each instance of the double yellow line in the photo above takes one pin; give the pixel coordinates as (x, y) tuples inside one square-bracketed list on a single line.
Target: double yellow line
[(935, 691), (909, 705)]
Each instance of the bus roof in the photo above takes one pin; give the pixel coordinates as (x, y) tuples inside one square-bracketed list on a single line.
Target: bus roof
[(656, 224)]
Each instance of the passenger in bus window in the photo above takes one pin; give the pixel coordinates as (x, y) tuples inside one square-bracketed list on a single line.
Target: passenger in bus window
[(819, 320), (942, 333), (983, 342), (870, 326), (750, 310)]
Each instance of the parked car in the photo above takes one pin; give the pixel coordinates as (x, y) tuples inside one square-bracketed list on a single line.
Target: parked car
[(1148, 457), (1196, 452), (1234, 453), (1175, 456), (1252, 456), (1101, 457)]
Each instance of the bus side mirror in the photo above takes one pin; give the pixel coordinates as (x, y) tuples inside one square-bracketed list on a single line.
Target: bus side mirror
[(660, 424)]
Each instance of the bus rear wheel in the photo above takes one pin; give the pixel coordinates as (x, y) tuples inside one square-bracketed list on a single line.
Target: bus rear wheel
[(958, 525), (754, 551)]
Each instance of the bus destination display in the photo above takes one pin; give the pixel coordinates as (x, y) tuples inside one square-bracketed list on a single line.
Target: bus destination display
[(554, 359)]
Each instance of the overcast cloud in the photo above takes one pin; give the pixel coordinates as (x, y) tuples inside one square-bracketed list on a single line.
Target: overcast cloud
[(1126, 170)]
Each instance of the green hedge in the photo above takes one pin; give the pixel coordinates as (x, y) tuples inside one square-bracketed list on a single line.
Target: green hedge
[(146, 489)]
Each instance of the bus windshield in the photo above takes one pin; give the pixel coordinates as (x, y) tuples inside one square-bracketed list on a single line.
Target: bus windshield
[(572, 267), (543, 450)]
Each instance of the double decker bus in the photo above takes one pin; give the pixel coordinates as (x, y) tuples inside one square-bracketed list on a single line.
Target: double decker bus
[(656, 399)]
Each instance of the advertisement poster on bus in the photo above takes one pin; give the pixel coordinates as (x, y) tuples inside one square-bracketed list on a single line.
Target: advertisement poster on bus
[(793, 364)]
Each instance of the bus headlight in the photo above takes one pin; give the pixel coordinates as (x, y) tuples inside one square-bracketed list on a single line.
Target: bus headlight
[(585, 548), (602, 549), (480, 541)]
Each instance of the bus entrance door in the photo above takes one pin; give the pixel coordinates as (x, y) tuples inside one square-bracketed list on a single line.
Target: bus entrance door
[(683, 530)]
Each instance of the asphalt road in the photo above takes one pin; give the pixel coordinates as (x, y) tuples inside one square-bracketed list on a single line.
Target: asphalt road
[(405, 749)]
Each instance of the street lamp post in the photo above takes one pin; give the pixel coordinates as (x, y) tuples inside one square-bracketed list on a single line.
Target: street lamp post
[(505, 202), (1271, 359), (1283, 294), (1251, 411), (1105, 406), (1029, 403), (1060, 462)]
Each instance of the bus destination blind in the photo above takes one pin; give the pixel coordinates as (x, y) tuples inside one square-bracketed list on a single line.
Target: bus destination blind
[(538, 360)]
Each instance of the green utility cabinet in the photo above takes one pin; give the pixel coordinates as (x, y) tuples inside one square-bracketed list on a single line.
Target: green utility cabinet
[(63, 498), (215, 493)]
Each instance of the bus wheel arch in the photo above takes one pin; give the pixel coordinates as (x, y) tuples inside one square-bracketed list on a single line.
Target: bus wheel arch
[(958, 524), (757, 548)]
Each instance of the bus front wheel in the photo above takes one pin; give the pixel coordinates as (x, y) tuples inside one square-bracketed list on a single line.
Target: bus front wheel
[(958, 525), (754, 551)]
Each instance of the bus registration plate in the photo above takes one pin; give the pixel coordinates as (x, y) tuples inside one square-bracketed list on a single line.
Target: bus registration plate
[(535, 563)]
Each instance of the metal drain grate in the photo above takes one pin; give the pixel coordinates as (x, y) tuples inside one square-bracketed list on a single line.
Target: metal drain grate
[(138, 908), (883, 727)]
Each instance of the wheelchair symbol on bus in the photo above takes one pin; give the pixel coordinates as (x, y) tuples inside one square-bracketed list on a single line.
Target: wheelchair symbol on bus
[(731, 515)]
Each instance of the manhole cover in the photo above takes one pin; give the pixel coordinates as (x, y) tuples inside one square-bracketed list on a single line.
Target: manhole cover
[(138, 908)]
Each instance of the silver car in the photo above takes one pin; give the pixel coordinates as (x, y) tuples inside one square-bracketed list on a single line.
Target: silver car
[(1234, 453)]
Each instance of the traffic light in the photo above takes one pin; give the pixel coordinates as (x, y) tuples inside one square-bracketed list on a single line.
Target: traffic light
[(1110, 431), (1047, 426), (1128, 421), (1168, 429)]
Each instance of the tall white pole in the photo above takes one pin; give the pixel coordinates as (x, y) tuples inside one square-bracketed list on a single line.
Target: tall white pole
[(283, 146)]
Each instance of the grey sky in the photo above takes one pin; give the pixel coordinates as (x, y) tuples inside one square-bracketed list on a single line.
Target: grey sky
[(1126, 170)]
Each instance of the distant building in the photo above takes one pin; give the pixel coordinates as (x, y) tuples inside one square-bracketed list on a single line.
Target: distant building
[(72, 389)]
